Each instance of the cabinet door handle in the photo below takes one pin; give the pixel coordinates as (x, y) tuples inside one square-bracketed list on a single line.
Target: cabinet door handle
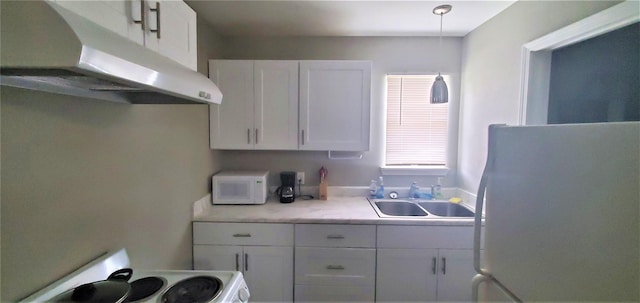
[(335, 267), (237, 262), (248, 136), (246, 262), (242, 235), (433, 265), (141, 19), (444, 266), (256, 136), (303, 137), (334, 237), (157, 11)]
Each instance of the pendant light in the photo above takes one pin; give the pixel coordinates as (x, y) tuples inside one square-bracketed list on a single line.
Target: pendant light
[(439, 91)]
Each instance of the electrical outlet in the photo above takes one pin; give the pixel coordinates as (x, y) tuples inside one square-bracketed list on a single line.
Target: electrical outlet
[(300, 177)]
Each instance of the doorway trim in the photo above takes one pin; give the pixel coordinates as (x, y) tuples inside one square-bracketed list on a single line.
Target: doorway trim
[(536, 56)]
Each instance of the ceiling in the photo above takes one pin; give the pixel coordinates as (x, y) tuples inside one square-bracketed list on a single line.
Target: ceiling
[(343, 18)]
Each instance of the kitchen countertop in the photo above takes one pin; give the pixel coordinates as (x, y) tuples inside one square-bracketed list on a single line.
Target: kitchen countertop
[(335, 210)]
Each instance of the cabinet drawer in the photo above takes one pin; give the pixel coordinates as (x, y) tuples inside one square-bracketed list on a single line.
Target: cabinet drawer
[(334, 293), (335, 266), (425, 236), (329, 235), (243, 234)]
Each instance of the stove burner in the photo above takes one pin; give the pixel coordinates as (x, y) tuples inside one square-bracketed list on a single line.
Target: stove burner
[(193, 290), (145, 287)]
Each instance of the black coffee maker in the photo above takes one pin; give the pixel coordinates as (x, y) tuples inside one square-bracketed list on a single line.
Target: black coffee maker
[(286, 191)]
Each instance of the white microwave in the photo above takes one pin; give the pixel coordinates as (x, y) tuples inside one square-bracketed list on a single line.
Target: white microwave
[(239, 187)]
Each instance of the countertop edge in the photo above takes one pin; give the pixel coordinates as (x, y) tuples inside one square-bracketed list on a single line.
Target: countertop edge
[(338, 210)]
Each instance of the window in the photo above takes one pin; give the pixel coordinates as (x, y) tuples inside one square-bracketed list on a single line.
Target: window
[(417, 131)]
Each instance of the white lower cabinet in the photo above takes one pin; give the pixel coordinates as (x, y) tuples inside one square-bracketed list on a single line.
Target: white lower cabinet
[(341, 263), (335, 263), (406, 275), (455, 274), (424, 263), (262, 252)]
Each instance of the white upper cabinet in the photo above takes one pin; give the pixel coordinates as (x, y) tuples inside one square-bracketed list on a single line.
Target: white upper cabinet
[(335, 105), (276, 104), (260, 106), (166, 27), (116, 15), (231, 123), (290, 105), (172, 31)]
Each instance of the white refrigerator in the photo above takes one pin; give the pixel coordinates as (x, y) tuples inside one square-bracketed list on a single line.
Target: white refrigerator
[(562, 214)]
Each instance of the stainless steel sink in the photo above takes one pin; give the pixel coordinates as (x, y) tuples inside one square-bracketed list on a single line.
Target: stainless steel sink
[(399, 208), (446, 209)]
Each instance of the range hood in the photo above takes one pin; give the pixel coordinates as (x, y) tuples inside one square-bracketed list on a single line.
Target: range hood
[(49, 48)]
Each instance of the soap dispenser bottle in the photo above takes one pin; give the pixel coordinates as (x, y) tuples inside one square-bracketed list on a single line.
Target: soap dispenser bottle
[(373, 189), (437, 190), (380, 193), (412, 190)]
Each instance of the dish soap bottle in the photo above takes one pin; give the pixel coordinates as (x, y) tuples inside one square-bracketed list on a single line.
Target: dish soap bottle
[(412, 190), (380, 193), (373, 189), (437, 190)]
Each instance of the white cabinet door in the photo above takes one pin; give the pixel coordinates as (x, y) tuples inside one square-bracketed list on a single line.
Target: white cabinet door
[(455, 271), (406, 275), (335, 105), (114, 15), (259, 108), (170, 27), (231, 123), (268, 270), (217, 257), (276, 105), (172, 31), (269, 273)]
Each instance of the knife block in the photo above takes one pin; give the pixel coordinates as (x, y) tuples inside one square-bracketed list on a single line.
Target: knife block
[(323, 190)]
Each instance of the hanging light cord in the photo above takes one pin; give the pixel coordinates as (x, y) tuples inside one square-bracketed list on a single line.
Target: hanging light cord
[(440, 46)]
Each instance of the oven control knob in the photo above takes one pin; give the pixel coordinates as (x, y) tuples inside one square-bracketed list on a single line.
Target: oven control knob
[(243, 294)]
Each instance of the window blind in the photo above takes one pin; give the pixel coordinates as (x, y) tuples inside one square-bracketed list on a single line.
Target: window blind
[(417, 130)]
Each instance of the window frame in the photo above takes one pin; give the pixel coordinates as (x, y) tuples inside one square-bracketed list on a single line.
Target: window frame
[(416, 170)]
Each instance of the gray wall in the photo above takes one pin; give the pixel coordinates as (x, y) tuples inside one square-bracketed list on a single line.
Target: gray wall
[(81, 177), (491, 72), (597, 80), (389, 55)]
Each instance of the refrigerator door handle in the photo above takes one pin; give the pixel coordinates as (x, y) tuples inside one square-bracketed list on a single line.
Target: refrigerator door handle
[(480, 278), (477, 226)]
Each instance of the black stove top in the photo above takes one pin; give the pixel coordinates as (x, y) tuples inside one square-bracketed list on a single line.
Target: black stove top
[(145, 287), (193, 290)]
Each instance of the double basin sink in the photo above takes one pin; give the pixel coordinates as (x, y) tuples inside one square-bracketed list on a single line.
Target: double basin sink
[(399, 208)]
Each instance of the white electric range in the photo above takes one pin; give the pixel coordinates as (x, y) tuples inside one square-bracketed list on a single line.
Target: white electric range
[(203, 286)]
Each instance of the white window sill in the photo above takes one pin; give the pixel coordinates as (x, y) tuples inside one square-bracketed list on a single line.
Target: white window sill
[(410, 170)]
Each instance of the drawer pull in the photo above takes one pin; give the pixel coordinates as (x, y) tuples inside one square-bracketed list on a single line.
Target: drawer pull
[(157, 11), (246, 262), (237, 263), (444, 266), (335, 267), (433, 265), (335, 237), (242, 235)]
